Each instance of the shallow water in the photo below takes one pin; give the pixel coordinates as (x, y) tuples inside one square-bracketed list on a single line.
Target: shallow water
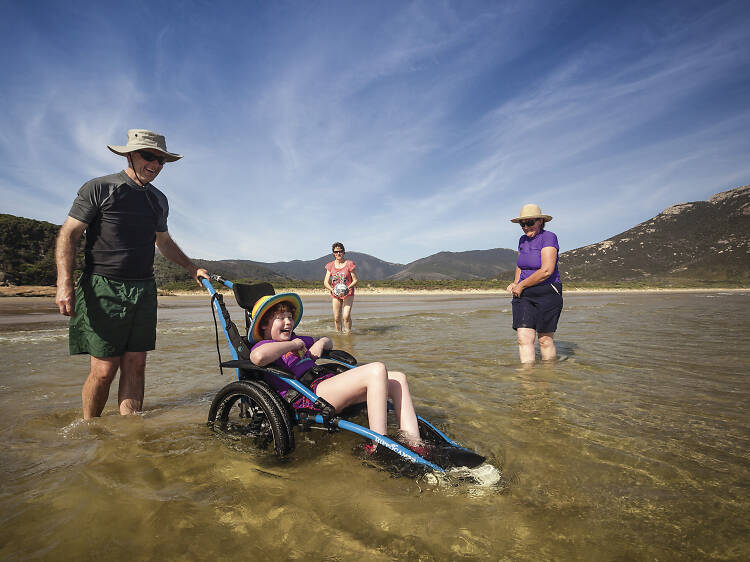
[(635, 446)]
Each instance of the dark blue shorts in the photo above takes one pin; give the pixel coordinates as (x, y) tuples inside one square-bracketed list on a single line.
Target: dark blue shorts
[(539, 308)]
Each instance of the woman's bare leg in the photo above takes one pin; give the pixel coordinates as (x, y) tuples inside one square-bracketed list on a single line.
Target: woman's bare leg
[(347, 313), (336, 303), (547, 346), (526, 344)]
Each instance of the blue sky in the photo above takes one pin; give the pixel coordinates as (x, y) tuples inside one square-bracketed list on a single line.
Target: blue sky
[(399, 128)]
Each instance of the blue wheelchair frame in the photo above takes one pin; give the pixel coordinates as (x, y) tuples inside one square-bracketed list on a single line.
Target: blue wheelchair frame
[(329, 422)]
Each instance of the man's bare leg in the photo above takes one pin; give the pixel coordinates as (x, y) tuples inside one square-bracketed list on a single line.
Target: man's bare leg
[(96, 388), (132, 382)]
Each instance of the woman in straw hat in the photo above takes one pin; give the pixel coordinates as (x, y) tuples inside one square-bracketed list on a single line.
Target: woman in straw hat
[(536, 289)]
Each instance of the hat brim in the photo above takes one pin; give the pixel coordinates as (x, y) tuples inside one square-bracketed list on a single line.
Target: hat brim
[(125, 150), (291, 298), (545, 217)]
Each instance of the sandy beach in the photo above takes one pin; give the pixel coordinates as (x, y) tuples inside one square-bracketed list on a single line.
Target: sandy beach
[(45, 291)]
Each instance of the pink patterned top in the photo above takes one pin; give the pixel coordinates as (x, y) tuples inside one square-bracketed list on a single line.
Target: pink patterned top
[(342, 275)]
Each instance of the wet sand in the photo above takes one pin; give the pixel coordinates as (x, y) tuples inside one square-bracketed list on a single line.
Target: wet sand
[(632, 447), (44, 291)]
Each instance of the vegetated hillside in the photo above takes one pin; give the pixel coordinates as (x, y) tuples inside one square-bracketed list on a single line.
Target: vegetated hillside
[(167, 272), (702, 240), (27, 251), (474, 264)]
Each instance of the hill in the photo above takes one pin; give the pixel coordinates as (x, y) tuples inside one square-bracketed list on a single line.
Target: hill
[(697, 242), (27, 251), (474, 264), (701, 240), (368, 267)]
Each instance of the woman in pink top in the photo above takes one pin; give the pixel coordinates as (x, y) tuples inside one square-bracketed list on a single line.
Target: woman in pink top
[(340, 279)]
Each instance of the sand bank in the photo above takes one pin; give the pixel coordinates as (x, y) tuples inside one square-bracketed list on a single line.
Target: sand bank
[(43, 291)]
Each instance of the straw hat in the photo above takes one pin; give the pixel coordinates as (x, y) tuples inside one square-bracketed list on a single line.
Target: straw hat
[(262, 306), (142, 138), (531, 211)]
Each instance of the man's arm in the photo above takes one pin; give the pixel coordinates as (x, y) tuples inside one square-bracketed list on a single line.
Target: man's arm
[(65, 255), (170, 250)]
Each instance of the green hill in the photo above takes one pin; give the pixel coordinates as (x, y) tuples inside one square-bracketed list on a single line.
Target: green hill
[(705, 241), (702, 243), (27, 251)]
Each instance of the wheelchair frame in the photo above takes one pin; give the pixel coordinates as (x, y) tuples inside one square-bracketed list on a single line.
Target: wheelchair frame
[(250, 390)]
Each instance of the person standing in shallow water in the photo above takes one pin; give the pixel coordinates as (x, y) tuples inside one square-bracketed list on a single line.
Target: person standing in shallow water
[(340, 279), (536, 288), (112, 307)]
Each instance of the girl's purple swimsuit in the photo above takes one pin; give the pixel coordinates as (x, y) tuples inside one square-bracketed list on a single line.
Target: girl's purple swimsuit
[(291, 361)]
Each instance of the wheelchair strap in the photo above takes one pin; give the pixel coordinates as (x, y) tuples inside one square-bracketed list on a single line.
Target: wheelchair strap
[(238, 342)]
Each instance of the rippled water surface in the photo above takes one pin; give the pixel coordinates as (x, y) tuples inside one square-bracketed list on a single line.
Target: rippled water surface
[(634, 446)]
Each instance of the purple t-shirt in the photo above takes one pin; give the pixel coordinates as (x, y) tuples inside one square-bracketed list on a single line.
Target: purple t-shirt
[(530, 255), (291, 361)]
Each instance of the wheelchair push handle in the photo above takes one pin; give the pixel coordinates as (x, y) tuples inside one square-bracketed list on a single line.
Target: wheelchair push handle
[(218, 279)]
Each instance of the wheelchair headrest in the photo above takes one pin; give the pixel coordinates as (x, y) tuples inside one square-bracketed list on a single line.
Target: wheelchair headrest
[(248, 295)]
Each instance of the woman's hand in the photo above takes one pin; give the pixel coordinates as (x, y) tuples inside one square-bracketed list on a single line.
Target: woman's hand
[(515, 289)]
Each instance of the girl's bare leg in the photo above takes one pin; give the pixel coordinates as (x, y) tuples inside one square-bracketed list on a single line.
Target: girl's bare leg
[(336, 313), (526, 344), (347, 313), (368, 383), (398, 390)]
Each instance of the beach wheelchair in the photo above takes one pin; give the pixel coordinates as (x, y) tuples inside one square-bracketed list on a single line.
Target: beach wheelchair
[(251, 408)]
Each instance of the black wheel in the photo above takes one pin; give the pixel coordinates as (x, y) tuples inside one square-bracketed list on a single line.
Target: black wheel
[(247, 409), (286, 411)]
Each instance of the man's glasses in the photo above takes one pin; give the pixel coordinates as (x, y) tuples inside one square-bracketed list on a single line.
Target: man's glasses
[(150, 157), (530, 222), (339, 252)]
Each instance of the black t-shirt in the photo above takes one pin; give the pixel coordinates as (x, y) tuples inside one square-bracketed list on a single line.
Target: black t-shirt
[(122, 221)]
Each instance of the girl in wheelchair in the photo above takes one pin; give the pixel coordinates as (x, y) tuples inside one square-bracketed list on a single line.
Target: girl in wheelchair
[(273, 320)]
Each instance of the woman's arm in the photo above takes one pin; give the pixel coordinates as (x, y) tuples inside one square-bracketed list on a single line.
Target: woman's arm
[(326, 281), (549, 257), (515, 280), (320, 346), (269, 352), (354, 279)]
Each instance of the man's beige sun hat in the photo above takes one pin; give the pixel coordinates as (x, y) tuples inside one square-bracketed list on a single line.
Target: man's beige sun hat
[(531, 211), (143, 138)]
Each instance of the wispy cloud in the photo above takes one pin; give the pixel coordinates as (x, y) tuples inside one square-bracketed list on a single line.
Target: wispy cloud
[(402, 129)]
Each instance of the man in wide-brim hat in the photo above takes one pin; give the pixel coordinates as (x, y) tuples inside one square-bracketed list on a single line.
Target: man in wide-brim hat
[(113, 304)]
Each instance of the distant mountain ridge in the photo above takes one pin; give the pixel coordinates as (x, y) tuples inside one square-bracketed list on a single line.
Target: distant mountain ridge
[(707, 240), (368, 267), (702, 240), (474, 264)]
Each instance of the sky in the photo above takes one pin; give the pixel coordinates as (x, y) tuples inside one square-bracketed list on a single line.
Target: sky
[(401, 129)]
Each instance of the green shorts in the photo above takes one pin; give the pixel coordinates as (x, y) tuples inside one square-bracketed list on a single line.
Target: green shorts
[(112, 317)]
